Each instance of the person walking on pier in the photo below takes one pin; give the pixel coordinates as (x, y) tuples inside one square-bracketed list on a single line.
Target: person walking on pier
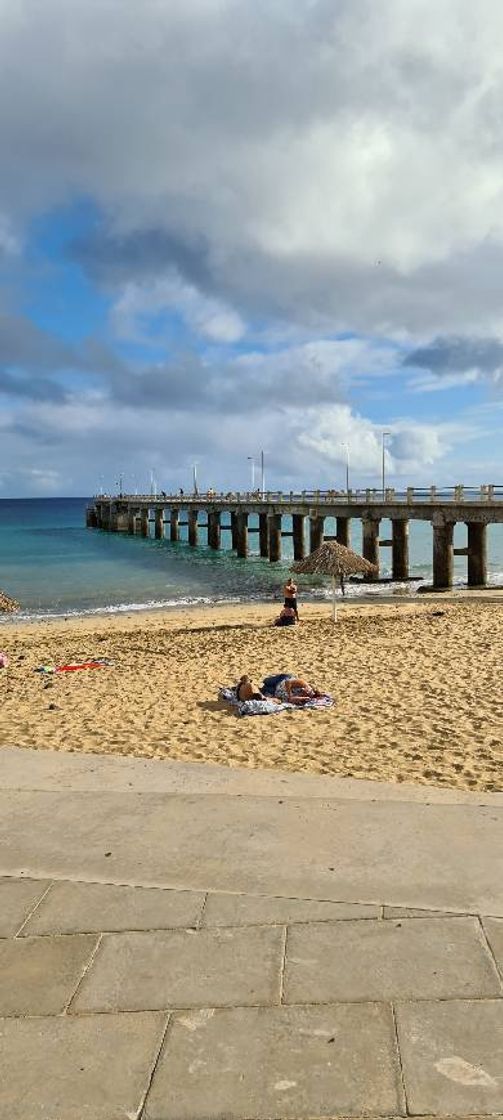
[(290, 593)]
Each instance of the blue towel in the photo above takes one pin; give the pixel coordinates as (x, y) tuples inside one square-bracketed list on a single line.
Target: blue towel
[(271, 683)]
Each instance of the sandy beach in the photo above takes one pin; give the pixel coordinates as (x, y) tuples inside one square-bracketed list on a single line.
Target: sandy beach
[(417, 688)]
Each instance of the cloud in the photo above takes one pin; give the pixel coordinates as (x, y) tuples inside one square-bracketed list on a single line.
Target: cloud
[(456, 361), (337, 165)]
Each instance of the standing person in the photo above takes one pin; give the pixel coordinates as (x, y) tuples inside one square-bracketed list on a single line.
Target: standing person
[(290, 593)]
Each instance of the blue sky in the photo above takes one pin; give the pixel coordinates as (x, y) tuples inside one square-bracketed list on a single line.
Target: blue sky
[(227, 229)]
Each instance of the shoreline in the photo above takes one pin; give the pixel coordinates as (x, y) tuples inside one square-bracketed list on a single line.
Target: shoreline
[(416, 684)]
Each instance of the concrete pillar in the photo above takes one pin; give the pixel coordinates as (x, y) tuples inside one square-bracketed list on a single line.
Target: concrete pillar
[(214, 529), (234, 531), (144, 523), (342, 530), (370, 546), (299, 544), (174, 528), (91, 519), (193, 527), (263, 535), (477, 554), (131, 520), (114, 520), (242, 534), (159, 524), (316, 527), (274, 532), (400, 549), (442, 554)]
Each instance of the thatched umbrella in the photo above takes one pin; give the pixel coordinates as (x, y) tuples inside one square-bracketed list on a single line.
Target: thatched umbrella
[(335, 560), (7, 604)]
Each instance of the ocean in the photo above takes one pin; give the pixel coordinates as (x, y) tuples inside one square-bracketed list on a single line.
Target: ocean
[(54, 566)]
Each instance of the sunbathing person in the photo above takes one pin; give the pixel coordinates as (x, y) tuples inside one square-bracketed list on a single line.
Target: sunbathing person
[(289, 689), (246, 690)]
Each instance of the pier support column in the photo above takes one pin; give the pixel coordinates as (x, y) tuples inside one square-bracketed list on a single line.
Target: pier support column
[(242, 534), (442, 554), (193, 527), (370, 547), (477, 554), (144, 523), (91, 519), (263, 535), (274, 528), (400, 549), (342, 530), (299, 544), (234, 531), (174, 528), (159, 524), (214, 529), (131, 520), (316, 527)]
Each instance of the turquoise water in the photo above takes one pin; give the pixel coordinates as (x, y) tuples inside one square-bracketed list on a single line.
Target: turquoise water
[(53, 565)]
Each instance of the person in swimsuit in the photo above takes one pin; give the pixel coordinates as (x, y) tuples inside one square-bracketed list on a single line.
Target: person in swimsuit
[(290, 593), (295, 690), (246, 690)]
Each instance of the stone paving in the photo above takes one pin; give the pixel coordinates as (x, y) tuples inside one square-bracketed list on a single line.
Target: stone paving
[(195, 943), (121, 1002)]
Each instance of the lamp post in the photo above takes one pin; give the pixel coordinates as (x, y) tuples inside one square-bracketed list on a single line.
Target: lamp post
[(346, 447), (251, 459), (262, 474), (194, 478), (384, 435)]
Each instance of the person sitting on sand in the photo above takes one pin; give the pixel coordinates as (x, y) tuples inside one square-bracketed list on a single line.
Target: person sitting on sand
[(246, 690), (286, 617)]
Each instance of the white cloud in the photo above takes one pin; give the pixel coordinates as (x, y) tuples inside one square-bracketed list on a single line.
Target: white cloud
[(300, 145), (138, 302)]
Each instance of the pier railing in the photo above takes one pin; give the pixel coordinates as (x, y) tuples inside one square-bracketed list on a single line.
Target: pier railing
[(489, 492)]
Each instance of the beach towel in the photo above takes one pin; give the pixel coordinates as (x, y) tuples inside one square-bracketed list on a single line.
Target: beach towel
[(99, 663), (268, 707)]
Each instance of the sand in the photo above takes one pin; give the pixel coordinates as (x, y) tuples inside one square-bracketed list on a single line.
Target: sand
[(417, 687)]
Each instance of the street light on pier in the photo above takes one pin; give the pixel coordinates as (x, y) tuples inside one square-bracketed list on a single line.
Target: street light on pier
[(252, 460), (384, 436), (346, 448), (194, 478)]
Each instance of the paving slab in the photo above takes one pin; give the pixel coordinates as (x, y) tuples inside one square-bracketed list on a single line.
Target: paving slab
[(96, 907), (38, 975), (447, 857), (250, 910), (17, 899), (95, 1067), (494, 932), (415, 958), (205, 968), (452, 1057), (285, 1063)]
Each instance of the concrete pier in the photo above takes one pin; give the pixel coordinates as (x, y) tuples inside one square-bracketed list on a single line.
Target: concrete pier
[(477, 554), (174, 534), (316, 527), (274, 537), (475, 508), (400, 549), (263, 536), (299, 542), (214, 529), (342, 531), (442, 553), (242, 534), (159, 524), (193, 527), (370, 544)]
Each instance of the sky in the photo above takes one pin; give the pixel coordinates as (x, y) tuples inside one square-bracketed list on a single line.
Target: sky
[(230, 227)]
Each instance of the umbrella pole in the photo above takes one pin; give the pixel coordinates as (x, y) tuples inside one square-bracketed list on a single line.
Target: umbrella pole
[(334, 608)]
